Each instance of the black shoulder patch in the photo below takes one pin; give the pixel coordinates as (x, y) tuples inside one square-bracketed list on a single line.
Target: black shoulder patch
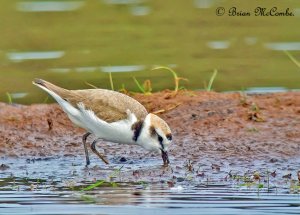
[(152, 131), (137, 128)]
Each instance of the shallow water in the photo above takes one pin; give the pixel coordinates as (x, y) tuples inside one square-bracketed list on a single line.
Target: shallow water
[(48, 6), (55, 186), (130, 199), (23, 56)]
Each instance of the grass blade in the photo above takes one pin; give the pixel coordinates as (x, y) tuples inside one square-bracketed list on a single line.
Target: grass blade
[(176, 79), (211, 81), (292, 58), (111, 82), (9, 98), (139, 85), (100, 182), (91, 85)]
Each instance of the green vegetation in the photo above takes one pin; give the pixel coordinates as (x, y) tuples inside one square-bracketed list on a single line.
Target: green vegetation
[(292, 58), (9, 98), (256, 180), (294, 186), (145, 88), (175, 76), (91, 85), (211, 80), (111, 82), (101, 182), (14, 183)]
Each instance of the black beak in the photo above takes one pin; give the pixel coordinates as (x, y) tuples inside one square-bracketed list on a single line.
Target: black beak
[(165, 157)]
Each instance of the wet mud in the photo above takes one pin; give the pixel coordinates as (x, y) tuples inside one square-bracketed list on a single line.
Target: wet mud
[(216, 136)]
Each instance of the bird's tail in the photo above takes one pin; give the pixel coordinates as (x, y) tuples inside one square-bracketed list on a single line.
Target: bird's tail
[(58, 94), (45, 84)]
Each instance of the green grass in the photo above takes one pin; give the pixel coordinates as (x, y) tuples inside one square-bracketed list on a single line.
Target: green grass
[(293, 59), (175, 76), (140, 87), (9, 98), (146, 88), (91, 85), (211, 81), (102, 182), (111, 82)]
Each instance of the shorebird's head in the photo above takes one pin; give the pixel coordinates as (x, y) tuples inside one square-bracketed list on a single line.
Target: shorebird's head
[(155, 135)]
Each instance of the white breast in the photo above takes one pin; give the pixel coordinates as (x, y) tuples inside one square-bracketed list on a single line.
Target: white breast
[(119, 132)]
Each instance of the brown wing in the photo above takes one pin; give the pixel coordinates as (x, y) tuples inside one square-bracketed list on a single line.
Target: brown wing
[(108, 105)]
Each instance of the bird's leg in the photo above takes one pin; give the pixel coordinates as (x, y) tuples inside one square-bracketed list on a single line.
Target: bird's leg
[(93, 147), (85, 136)]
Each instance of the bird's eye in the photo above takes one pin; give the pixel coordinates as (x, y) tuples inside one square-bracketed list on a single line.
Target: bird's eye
[(160, 139), (169, 136)]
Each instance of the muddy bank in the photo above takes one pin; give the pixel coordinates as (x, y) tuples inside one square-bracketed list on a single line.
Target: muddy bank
[(217, 137), (204, 125)]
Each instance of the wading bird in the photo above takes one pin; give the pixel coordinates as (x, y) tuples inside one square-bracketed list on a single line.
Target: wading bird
[(111, 116)]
